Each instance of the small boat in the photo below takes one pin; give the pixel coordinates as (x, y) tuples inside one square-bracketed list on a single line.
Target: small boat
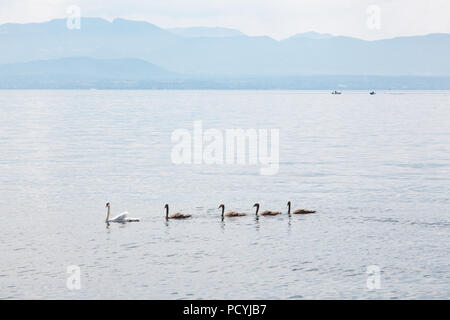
[(336, 92), (372, 93)]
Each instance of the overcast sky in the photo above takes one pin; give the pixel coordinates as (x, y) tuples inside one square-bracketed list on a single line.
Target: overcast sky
[(276, 18)]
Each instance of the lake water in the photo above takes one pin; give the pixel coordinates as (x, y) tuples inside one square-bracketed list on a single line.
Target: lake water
[(376, 169)]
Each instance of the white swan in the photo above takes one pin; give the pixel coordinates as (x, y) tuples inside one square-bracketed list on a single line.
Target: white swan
[(122, 218)]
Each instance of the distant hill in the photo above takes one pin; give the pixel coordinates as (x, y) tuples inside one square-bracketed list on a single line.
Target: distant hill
[(216, 52), (206, 32), (81, 72), (86, 68)]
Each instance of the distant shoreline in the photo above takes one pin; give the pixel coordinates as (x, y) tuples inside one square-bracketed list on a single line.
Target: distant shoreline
[(341, 83), (305, 91)]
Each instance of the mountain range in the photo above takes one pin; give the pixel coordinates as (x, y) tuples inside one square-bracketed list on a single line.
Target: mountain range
[(141, 51)]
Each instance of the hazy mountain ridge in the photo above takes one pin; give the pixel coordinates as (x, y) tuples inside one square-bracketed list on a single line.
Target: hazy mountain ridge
[(211, 52), (304, 54)]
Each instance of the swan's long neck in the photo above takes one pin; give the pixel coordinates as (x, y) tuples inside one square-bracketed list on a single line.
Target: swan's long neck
[(223, 210), (257, 209), (167, 212), (289, 208), (107, 214)]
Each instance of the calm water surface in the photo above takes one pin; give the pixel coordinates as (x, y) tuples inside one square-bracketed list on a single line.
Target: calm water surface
[(376, 168)]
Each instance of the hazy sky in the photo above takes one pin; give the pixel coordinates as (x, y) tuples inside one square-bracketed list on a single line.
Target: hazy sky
[(275, 18)]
